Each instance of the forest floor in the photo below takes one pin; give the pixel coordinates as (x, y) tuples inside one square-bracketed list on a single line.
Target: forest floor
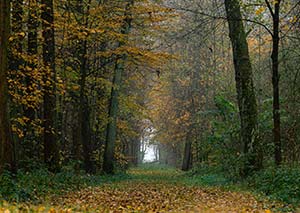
[(152, 190)]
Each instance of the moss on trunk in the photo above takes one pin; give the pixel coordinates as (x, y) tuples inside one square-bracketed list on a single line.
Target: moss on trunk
[(244, 86)]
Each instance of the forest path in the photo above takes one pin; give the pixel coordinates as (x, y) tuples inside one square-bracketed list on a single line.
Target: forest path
[(158, 190)]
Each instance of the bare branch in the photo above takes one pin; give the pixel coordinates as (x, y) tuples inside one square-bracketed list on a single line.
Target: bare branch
[(270, 8), (225, 18)]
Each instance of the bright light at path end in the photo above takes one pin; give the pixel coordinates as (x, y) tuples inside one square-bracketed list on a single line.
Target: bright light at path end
[(150, 154)]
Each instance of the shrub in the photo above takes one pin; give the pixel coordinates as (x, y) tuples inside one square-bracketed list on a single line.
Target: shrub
[(278, 183), (7, 189)]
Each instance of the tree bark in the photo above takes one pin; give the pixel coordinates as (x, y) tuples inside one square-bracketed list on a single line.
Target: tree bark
[(51, 156), (187, 154), (108, 163), (7, 160), (111, 132), (84, 114), (16, 61), (17, 13), (275, 82), (244, 85), (32, 46)]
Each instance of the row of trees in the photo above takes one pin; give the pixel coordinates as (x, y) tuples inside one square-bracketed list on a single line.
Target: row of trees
[(72, 76), (214, 125), (82, 81)]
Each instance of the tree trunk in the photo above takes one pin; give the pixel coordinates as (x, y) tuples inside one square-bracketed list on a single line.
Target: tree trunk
[(32, 46), (275, 82), (51, 156), (17, 22), (16, 61), (193, 92), (187, 154), (111, 132), (6, 143), (108, 164), (244, 85), (84, 114), (76, 140), (136, 151)]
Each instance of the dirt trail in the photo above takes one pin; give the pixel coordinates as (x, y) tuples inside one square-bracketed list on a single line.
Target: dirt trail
[(158, 191)]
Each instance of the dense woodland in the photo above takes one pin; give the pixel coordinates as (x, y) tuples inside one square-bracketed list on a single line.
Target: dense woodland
[(87, 85)]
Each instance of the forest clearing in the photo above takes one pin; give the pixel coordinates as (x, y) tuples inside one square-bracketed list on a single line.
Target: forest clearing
[(149, 105)]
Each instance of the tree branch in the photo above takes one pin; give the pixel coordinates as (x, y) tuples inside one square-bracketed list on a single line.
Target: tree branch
[(225, 18), (270, 8)]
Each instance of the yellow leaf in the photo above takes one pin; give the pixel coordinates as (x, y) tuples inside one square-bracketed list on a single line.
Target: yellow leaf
[(260, 11), (41, 209), (76, 87), (22, 34), (52, 210)]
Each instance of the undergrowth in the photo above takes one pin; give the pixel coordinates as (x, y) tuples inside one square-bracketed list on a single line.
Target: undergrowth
[(281, 183), (35, 186), (277, 184)]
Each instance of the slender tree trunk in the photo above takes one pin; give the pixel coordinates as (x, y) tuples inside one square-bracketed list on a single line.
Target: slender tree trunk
[(187, 154), (16, 61), (194, 93), (6, 143), (244, 85), (84, 113), (51, 156), (32, 46), (17, 13), (136, 151), (275, 82), (76, 141), (111, 132)]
